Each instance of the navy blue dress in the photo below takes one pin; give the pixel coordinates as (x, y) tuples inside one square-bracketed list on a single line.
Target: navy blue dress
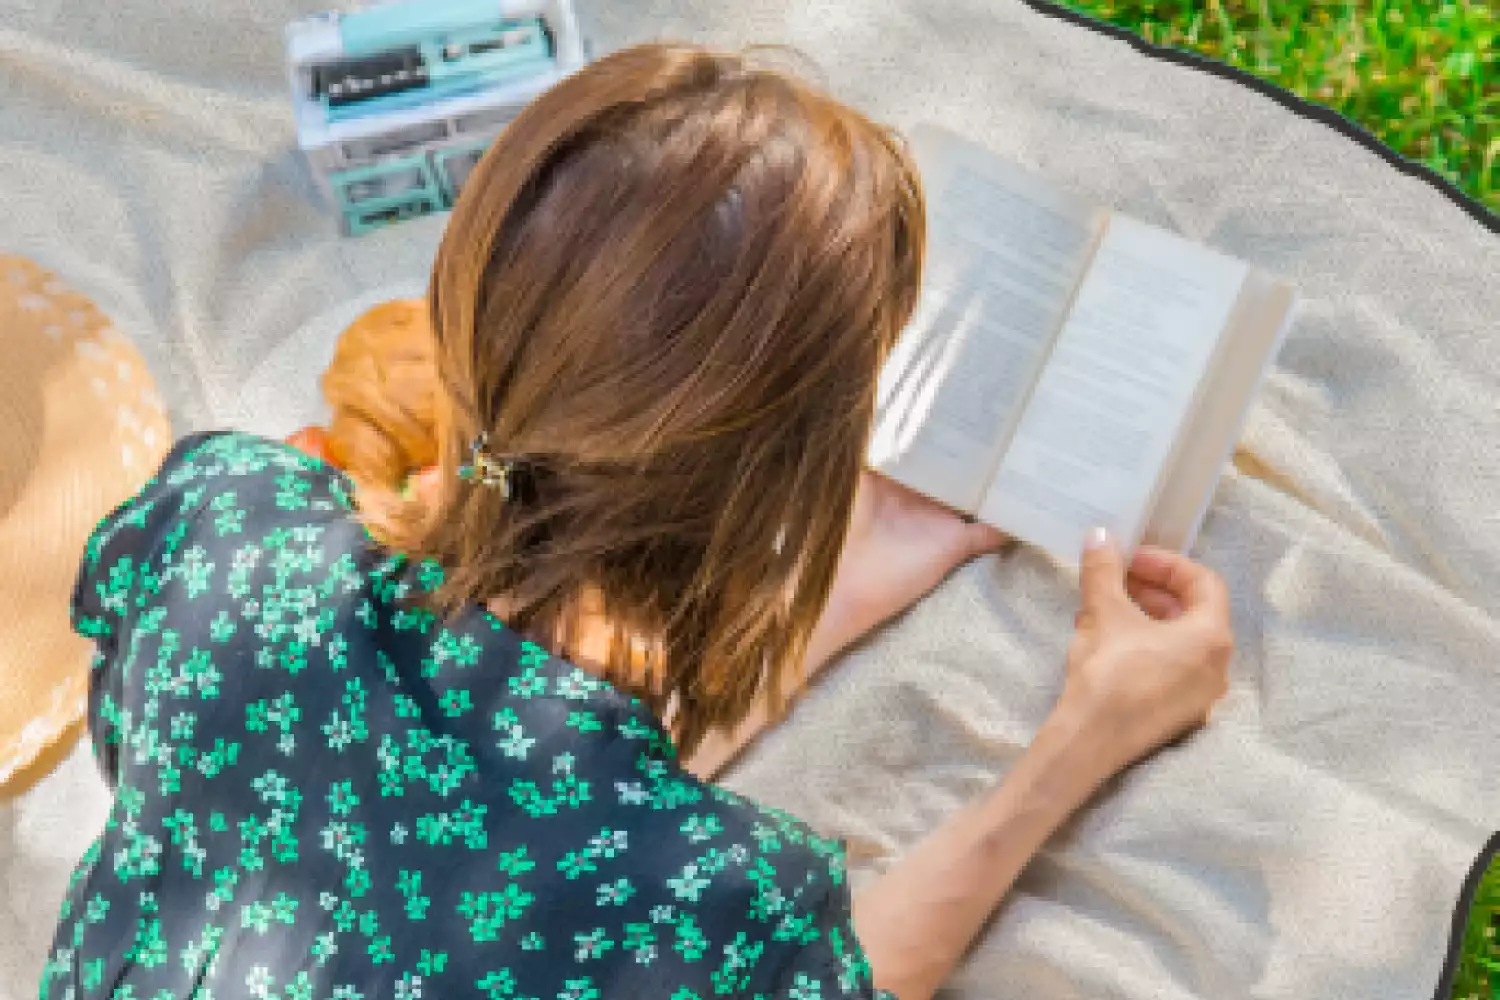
[(322, 792)]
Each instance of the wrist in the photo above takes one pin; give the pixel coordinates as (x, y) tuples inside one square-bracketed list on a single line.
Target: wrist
[(1100, 729), (1072, 755)]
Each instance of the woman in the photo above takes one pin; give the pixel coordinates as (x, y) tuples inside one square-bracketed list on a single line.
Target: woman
[(434, 751)]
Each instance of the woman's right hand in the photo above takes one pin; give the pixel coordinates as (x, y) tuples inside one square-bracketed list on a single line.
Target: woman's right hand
[(1150, 658), (1150, 655)]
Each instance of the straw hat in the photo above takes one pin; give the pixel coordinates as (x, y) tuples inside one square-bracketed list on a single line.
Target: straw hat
[(81, 430)]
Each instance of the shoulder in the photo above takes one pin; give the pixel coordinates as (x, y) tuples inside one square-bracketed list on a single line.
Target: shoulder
[(223, 472), (205, 466), (799, 897), (749, 894), (778, 834), (206, 488)]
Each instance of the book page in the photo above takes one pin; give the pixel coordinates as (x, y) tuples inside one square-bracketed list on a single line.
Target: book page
[(1257, 330), (1121, 378), (1004, 253)]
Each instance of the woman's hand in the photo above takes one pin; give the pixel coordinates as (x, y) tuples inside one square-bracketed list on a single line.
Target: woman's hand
[(1150, 655), (1148, 661)]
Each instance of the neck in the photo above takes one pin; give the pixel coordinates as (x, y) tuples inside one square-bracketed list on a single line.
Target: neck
[(592, 629), (591, 636)]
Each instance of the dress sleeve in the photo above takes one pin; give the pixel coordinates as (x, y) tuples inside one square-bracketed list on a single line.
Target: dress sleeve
[(830, 965), (116, 571)]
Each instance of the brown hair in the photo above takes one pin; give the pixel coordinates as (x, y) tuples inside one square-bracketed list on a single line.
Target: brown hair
[(668, 288)]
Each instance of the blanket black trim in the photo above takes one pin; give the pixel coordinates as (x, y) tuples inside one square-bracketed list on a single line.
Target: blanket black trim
[(1286, 98)]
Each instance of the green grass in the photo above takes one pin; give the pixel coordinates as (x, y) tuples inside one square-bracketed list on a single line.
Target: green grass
[(1478, 974), (1424, 77)]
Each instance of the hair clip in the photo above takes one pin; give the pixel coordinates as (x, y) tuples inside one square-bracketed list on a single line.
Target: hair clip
[(485, 469)]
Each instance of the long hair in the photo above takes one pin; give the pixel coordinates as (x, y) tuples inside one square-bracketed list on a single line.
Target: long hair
[(667, 290)]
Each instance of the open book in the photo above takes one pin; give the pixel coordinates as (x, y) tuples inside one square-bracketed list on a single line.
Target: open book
[(1068, 367)]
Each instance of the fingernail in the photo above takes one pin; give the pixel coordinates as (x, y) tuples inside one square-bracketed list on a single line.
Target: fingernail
[(1097, 538)]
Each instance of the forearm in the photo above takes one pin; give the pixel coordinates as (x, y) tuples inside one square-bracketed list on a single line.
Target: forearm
[(843, 622), (919, 919), (860, 602)]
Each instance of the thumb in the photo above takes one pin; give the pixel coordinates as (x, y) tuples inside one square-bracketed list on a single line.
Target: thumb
[(1101, 578)]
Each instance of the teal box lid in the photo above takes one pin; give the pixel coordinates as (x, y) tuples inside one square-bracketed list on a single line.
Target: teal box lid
[(375, 29)]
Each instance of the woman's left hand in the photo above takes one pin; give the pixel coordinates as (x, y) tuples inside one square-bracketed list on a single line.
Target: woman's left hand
[(900, 546)]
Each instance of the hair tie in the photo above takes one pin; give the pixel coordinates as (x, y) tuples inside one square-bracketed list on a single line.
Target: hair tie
[(487, 470)]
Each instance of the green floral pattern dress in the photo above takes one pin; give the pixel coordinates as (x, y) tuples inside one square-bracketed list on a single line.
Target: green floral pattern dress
[(321, 792)]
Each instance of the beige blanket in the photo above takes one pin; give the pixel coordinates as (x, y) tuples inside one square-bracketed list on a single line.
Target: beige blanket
[(1310, 844)]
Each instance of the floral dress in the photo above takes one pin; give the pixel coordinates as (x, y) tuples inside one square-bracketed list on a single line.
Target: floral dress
[(324, 792)]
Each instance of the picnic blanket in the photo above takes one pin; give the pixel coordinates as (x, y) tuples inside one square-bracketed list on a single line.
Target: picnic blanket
[(1311, 843)]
